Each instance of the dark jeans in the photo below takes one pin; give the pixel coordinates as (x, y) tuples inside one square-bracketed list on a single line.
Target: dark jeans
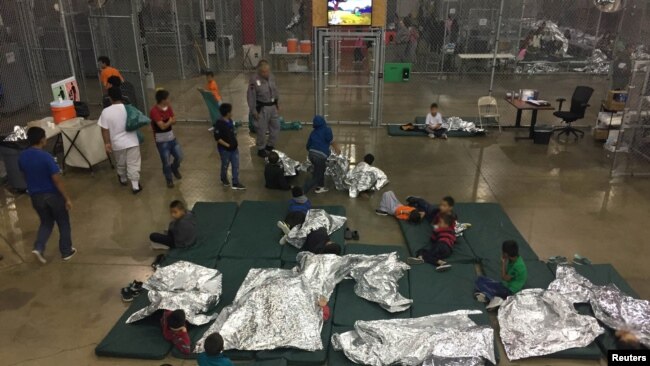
[(319, 161), (491, 288), (167, 150), (438, 251), (164, 239), (227, 158), (50, 208), (421, 205)]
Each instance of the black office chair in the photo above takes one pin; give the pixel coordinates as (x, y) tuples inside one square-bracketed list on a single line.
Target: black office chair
[(579, 103)]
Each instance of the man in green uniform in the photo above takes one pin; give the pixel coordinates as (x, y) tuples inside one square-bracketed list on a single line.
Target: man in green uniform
[(262, 100)]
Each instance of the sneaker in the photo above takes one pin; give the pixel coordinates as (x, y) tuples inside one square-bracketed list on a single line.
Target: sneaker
[(580, 260), (39, 256), (284, 227), (156, 263), (269, 148), (262, 153), (136, 191), (69, 256), (443, 267), (136, 286), (414, 260), (320, 190), (494, 303), (170, 184), (158, 246), (347, 235), (444, 136), (480, 297), (226, 183), (381, 213), (238, 187), (122, 181), (127, 294), (432, 136), (177, 174), (355, 235), (284, 240)]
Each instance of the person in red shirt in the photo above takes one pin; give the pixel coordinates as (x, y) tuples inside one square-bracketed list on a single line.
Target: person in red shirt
[(443, 239), (162, 119), (175, 331)]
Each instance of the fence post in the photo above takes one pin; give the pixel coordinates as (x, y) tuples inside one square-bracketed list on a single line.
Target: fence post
[(496, 47), (64, 25)]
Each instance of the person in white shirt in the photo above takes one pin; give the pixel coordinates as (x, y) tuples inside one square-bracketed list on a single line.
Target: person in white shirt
[(434, 125), (117, 140)]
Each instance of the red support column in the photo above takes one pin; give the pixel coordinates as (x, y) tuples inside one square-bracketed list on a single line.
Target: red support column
[(248, 21)]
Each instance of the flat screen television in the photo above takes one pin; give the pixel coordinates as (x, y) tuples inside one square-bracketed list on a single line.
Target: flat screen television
[(349, 12)]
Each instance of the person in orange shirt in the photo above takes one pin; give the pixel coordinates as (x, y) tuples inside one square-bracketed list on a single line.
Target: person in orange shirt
[(212, 86), (390, 205), (107, 71)]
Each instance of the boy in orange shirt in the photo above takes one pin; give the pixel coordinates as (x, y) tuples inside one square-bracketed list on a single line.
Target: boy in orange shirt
[(390, 205), (107, 71), (212, 86)]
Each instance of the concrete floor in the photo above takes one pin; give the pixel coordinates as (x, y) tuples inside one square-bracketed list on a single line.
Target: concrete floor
[(560, 197)]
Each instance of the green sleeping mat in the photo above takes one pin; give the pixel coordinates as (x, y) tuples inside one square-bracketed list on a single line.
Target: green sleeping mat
[(491, 226), (213, 221), (350, 307), (539, 275), (142, 339), (395, 130), (276, 362), (298, 357), (254, 232), (418, 236), (289, 252), (456, 285)]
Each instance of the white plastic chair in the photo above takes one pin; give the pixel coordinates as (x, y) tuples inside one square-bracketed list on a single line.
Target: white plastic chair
[(488, 108)]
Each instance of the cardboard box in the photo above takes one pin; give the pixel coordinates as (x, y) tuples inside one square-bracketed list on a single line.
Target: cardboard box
[(599, 134), (616, 100)]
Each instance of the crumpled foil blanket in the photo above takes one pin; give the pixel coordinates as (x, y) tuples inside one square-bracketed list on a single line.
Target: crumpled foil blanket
[(460, 227), (552, 31), (314, 220), (182, 285), (440, 339), (277, 308), (640, 53), (535, 322), (19, 134), (610, 305), (289, 165), (364, 177), (597, 63), (457, 124)]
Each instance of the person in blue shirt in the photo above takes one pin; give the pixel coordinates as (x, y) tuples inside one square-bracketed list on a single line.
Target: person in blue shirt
[(318, 146), (48, 194), (213, 355)]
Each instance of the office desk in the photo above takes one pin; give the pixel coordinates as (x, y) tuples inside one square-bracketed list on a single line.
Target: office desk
[(521, 105)]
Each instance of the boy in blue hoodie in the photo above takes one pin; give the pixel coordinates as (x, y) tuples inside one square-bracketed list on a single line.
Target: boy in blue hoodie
[(213, 355), (318, 146), (299, 204)]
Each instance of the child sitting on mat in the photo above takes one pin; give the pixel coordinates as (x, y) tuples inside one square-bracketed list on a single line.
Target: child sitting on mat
[(299, 204), (390, 205), (181, 232), (513, 277), (442, 243), (213, 355), (174, 330), (274, 177), (434, 125), (431, 212)]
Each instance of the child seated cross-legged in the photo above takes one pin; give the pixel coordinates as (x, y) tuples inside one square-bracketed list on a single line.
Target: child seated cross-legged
[(442, 243), (175, 331), (213, 355), (274, 177), (299, 204), (181, 232), (434, 125), (513, 277)]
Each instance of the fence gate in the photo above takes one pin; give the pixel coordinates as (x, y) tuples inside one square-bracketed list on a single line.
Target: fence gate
[(349, 72), (116, 33)]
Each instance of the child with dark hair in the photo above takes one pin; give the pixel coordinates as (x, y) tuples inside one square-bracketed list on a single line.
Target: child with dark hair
[(274, 177), (442, 244), (175, 331), (224, 134), (434, 125), (213, 355), (431, 212), (513, 277), (107, 71), (181, 232), (369, 159), (318, 242), (299, 204), (212, 86), (162, 119)]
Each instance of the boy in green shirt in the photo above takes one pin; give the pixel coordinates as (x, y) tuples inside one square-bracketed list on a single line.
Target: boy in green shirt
[(513, 277)]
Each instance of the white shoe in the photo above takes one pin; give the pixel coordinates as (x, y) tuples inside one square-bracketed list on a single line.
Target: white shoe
[(321, 190), (158, 246), (444, 136), (283, 240), (432, 136), (284, 227), (480, 297), (494, 303), (39, 256)]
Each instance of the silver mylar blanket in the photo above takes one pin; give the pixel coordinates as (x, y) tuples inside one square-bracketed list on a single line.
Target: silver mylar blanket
[(182, 285), (457, 124), (456, 361), (597, 63), (277, 308), (610, 305), (364, 177), (315, 219), (19, 134), (288, 165), (449, 337), (537, 322)]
